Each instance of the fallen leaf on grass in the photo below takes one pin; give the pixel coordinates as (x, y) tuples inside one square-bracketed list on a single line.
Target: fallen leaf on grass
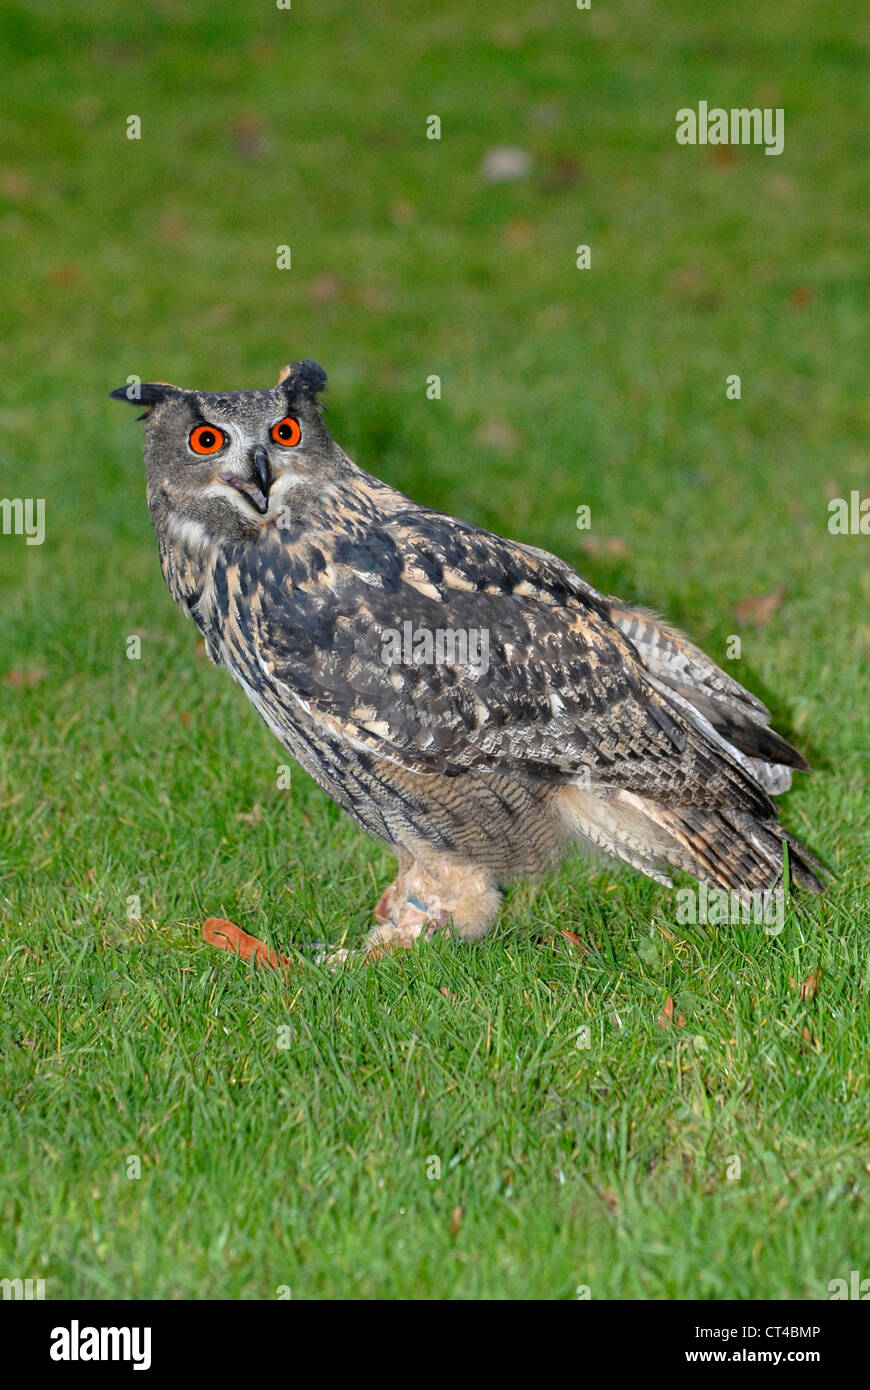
[(801, 297), (23, 680), (808, 1041), (759, 608), (810, 986), (217, 931), (448, 993), (603, 545), (576, 940), (455, 1220), (610, 1199), (666, 1017), (252, 817)]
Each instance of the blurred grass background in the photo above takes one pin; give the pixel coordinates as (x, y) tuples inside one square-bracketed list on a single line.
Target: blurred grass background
[(305, 1166)]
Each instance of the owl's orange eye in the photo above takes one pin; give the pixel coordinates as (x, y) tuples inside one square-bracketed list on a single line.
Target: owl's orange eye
[(286, 432), (207, 439)]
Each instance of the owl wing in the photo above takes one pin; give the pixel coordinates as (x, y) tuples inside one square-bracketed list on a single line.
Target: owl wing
[(551, 687)]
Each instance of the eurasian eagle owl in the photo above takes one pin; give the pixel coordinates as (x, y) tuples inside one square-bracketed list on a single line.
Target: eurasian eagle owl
[(569, 718)]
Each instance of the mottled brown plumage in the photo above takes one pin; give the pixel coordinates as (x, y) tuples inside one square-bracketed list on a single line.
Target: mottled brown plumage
[(584, 721)]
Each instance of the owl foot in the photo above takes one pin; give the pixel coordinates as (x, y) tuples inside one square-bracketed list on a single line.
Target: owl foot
[(403, 928), (395, 930)]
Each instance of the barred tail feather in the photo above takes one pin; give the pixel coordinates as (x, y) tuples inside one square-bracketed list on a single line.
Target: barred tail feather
[(723, 847)]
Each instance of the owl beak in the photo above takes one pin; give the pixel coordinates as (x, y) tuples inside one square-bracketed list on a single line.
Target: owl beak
[(262, 475), (256, 488)]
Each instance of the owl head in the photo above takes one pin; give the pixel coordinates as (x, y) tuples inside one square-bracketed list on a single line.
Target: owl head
[(221, 464)]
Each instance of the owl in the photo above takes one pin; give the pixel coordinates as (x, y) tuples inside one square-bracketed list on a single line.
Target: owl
[(470, 701)]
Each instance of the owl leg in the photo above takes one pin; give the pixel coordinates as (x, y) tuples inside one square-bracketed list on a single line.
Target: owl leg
[(469, 894), (387, 904), (427, 896)]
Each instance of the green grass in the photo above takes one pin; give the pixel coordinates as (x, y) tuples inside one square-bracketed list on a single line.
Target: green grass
[(306, 1165)]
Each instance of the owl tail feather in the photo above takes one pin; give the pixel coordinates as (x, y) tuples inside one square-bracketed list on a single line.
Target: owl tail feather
[(725, 848)]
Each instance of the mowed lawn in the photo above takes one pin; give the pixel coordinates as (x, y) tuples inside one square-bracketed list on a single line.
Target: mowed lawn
[(437, 1125)]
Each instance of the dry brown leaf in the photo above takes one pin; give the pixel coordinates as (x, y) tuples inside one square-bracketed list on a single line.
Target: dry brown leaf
[(808, 1041), (23, 680), (801, 297), (603, 545), (810, 986), (455, 1220), (666, 1017), (217, 931), (572, 936), (758, 609)]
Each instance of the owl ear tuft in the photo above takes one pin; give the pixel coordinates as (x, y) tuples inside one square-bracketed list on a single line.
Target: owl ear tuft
[(308, 377), (145, 392)]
